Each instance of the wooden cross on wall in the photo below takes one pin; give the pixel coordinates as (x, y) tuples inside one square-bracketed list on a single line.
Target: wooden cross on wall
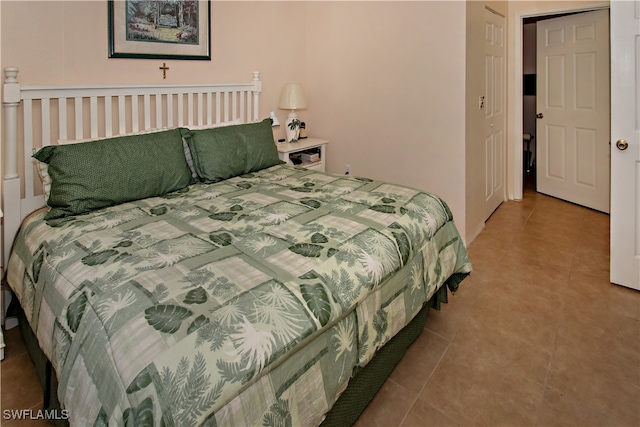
[(164, 69)]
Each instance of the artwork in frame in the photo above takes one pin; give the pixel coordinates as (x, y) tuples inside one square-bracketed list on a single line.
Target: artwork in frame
[(160, 29)]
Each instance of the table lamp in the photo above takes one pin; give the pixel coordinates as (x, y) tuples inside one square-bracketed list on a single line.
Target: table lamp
[(292, 99)]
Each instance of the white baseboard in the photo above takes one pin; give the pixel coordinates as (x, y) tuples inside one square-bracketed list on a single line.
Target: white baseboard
[(474, 234)]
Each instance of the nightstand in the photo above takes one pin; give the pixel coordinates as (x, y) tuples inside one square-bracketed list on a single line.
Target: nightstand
[(308, 146)]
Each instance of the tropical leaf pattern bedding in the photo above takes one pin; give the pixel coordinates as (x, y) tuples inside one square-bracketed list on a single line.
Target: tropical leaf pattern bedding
[(244, 302)]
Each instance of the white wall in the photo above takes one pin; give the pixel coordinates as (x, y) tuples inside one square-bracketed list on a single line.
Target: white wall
[(386, 85)]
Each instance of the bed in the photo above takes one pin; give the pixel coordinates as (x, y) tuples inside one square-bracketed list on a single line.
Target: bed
[(199, 281)]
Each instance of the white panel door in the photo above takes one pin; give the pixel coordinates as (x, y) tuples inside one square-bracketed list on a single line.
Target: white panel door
[(494, 108), (573, 108), (625, 126)]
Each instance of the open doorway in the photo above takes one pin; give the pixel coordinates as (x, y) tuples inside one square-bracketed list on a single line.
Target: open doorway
[(518, 14), (565, 106), (529, 35), (529, 88)]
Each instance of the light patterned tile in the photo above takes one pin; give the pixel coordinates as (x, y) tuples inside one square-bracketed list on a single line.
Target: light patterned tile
[(597, 380), (472, 389), (558, 410), (447, 321), (419, 362), (422, 414), (388, 407), (19, 383), (519, 333)]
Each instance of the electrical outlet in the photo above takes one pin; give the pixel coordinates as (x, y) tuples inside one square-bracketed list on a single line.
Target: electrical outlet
[(347, 169), (481, 102)]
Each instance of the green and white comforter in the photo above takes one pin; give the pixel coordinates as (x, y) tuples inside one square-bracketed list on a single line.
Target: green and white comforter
[(244, 302)]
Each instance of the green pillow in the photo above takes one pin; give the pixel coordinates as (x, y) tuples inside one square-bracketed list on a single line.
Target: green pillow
[(224, 152), (97, 174)]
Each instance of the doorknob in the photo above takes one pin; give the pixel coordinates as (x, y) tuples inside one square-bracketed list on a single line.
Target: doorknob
[(622, 144), (540, 116)]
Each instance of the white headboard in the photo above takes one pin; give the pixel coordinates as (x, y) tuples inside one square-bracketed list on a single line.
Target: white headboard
[(37, 116)]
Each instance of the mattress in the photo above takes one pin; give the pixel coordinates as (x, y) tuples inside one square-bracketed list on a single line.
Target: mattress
[(248, 301)]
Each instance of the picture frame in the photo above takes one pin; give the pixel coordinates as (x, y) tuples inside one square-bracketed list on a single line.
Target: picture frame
[(160, 29)]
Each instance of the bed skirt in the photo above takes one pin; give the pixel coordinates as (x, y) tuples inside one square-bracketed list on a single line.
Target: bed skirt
[(362, 388)]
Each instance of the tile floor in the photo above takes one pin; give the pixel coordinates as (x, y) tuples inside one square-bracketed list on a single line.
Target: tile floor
[(536, 336)]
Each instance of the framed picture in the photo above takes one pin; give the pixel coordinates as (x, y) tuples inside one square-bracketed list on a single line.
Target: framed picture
[(160, 29)]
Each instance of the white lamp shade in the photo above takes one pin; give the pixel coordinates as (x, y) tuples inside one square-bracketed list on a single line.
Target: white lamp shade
[(292, 97)]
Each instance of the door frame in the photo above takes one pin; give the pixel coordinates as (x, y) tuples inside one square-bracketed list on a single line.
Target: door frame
[(514, 87)]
